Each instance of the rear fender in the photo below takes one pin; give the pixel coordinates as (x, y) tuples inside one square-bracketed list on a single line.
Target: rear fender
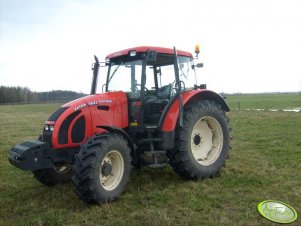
[(171, 117)]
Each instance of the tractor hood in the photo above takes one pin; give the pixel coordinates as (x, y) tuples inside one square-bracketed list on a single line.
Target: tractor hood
[(97, 100), (77, 120)]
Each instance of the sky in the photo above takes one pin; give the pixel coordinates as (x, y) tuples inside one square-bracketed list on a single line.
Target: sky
[(247, 46)]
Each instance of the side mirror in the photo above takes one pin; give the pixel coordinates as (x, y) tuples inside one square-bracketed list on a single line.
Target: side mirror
[(100, 64), (151, 56), (199, 65)]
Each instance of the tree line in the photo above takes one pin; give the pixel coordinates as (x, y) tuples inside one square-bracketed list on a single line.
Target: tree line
[(13, 95)]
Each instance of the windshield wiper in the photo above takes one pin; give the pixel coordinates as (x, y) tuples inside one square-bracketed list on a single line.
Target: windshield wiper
[(183, 74), (114, 73)]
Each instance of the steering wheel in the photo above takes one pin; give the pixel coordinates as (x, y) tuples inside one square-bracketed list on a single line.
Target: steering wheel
[(139, 90)]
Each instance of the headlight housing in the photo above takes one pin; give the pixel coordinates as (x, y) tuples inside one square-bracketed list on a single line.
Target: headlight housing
[(49, 126)]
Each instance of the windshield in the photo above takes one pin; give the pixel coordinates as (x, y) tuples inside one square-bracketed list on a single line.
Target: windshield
[(166, 73), (124, 76), (186, 73)]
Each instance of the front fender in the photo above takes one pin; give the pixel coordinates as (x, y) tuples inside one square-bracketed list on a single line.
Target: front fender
[(171, 117)]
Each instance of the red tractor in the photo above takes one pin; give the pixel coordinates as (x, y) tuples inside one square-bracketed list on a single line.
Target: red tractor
[(151, 112)]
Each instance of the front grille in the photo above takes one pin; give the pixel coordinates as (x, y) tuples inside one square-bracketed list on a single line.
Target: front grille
[(78, 130), (63, 132)]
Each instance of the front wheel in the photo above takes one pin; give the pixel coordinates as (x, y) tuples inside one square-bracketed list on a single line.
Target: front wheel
[(60, 173), (202, 143), (102, 169)]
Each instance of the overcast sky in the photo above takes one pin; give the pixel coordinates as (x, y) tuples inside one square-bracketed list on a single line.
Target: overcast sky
[(246, 45)]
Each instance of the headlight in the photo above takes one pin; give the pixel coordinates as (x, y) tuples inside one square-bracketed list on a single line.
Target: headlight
[(51, 127), (133, 53)]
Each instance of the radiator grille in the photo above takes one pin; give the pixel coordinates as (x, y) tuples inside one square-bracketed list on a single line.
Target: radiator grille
[(63, 132), (78, 130)]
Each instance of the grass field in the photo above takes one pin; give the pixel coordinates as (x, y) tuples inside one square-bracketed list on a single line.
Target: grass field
[(265, 101), (265, 163)]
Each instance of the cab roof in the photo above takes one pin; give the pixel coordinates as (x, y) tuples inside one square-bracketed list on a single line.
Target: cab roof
[(142, 49)]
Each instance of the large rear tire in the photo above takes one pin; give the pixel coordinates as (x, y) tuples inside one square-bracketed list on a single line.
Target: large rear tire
[(50, 176), (102, 169), (202, 144)]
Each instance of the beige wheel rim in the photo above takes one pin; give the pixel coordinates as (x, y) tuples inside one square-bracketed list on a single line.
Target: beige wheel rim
[(111, 170), (206, 140), (61, 169)]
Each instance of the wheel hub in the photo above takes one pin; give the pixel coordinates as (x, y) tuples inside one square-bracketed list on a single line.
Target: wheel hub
[(62, 169), (197, 139), (111, 170), (106, 169)]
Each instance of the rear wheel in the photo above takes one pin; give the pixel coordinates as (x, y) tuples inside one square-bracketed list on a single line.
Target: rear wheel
[(102, 169), (60, 173), (202, 143)]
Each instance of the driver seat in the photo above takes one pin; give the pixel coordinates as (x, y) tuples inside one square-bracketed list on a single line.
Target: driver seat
[(164, 93), (155, 106)]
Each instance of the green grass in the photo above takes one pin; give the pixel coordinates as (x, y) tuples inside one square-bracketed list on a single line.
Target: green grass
[(265, 163), (264, 101)]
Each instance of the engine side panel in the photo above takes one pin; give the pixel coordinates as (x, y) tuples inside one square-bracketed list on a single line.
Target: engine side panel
[(81, 117), (111, 110)]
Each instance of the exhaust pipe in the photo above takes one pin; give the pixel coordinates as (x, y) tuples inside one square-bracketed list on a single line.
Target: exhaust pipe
[(95, 75)]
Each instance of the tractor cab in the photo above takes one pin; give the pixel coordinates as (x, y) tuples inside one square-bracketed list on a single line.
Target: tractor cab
[(151, 77)]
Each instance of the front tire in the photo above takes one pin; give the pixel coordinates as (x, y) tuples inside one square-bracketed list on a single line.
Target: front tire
[(58, 174), (202, 143), (102, 169)]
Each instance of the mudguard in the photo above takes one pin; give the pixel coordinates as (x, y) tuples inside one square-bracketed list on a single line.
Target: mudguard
[(171, 117)]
